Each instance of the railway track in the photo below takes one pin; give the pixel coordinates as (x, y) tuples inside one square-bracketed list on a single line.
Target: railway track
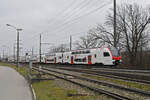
[(96, 90), (124, 70), (135, 77), (141, 76), (98, 67), (111, 70), (114, 95)]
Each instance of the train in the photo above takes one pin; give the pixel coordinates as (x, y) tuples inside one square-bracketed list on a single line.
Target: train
[(94, 56)]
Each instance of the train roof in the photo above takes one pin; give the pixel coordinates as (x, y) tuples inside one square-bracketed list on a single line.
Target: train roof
[(81, 50), (89, 48)]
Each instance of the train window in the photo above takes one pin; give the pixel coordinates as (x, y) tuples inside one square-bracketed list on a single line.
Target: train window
[(95, 55), (79, 52), (83, 52), (50, 59), (106, 54), (81, 60), (73, 52), (114, 51), (87, 51), (84, 59), (67, 57)]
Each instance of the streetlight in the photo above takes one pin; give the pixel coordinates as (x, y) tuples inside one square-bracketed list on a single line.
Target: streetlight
[(4, 56), (17, 29)]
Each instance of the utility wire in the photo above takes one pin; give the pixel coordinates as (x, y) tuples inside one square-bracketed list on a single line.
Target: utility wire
[(61, 12), (78, 5), (72, 4), (78, 8), (64, 37), (70, 12), (76, 12), (68, 22), (83, 16), (64, 25), (82, 9)]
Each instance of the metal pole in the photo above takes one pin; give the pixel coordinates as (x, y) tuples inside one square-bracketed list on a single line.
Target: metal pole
[(17, 41), (17, 48), (40, 49), (70, 43), (3, 54), (115, 36), (32, 51), (14, 53)]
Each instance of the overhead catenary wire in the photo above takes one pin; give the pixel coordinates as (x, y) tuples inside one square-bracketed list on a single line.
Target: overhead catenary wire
[(62, 11), (95, 9), (64, 25), (70, 14), (70, 11), (64, 37), (75, 19), (75, 13), (58, 14), (68, 21), (81, 11), (77, 9)]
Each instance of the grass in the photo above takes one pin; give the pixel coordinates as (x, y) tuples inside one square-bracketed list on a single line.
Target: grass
[(122, 82), (53, 92)]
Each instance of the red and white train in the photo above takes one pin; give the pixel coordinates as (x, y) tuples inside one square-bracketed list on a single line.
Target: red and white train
[(103, 56)]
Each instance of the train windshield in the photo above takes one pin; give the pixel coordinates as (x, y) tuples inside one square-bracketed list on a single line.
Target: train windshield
[(114, 51)]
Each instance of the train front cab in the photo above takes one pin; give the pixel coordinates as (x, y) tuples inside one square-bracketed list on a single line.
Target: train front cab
[(107, 56), (116, 58)]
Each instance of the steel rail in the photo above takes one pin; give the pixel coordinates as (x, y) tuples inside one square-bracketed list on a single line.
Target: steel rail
[(112, 68), (104, 83), (96, 90), (108, 75)]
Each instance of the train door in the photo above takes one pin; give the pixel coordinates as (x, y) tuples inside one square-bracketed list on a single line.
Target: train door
[(89, 59), (72, 60), (107, 58), (55, 60), (45, 60), (62, 58)]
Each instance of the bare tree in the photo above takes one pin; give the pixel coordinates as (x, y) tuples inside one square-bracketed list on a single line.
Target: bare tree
[(104, 33), (134, 21), (132, 29), (86, 42), (60, 48)]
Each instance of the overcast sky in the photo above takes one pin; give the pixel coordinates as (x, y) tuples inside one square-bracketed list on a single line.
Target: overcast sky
[(55, 19)]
